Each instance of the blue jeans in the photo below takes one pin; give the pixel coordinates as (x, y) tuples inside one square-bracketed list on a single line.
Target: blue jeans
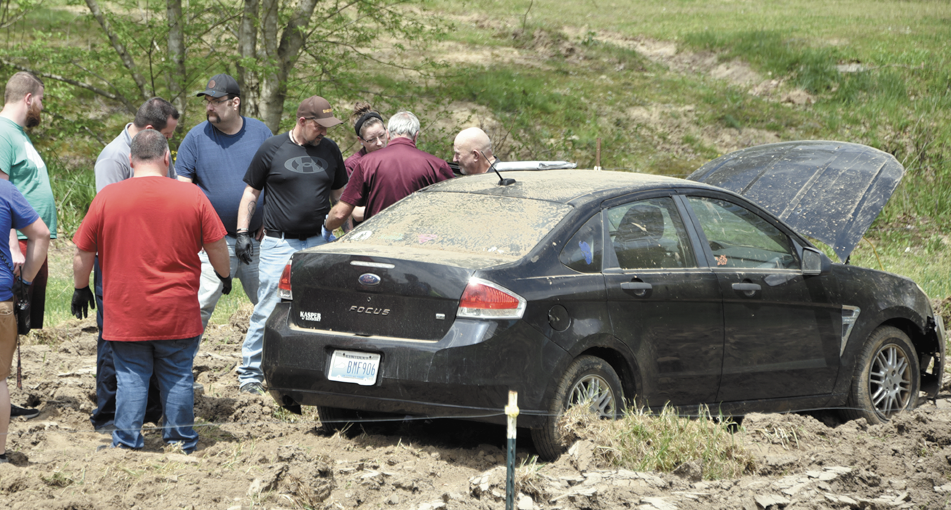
[(171, 362), (275, 253), (209, 291), (104, 416)]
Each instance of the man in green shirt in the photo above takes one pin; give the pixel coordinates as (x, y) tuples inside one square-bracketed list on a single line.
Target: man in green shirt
[(25, 169)]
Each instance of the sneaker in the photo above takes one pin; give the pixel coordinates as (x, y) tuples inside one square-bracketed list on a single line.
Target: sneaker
[(26, 412), (254, 388)]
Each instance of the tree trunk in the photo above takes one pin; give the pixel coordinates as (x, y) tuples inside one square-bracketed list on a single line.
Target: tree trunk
[(124, 56), (247, 43), (276, 56), (176, 53)]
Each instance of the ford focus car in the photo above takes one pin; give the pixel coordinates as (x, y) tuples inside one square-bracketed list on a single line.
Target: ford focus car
[(608, 288)]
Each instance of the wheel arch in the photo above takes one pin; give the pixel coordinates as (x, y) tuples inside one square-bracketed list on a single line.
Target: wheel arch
[(929, 345), (626, 369)]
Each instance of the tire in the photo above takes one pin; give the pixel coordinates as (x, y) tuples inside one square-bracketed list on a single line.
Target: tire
[(587, 378), (887, 377)]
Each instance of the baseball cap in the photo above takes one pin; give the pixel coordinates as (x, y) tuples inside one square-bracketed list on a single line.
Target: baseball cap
[(221, 85), (317, 108)]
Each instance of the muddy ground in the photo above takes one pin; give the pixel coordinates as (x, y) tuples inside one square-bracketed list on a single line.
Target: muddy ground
[(254, 455)]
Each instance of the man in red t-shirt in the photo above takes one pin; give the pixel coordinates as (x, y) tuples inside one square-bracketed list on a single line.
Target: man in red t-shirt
[(383, 177), (148, 231)]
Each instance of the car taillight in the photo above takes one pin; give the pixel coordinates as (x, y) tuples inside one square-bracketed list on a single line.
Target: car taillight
[(485, 300), (284, 286)]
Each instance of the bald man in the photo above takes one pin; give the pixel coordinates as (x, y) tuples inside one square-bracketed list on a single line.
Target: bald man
[(473, 151)]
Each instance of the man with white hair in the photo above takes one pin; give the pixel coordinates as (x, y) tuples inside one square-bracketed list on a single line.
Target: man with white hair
[(385, 176), (472, 149)]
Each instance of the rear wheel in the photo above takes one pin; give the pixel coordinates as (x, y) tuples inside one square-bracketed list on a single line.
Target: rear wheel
[(887, 377), (588, 380)]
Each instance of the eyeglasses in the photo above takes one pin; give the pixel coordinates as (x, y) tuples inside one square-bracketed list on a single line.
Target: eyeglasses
[(375, 139), (216, 102)]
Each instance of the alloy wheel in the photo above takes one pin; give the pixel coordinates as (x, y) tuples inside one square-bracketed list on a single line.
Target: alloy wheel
[(889, 380), (596, 392)]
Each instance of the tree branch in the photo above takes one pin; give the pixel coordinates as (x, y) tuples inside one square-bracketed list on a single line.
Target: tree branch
[(127, 60), (116, 97)]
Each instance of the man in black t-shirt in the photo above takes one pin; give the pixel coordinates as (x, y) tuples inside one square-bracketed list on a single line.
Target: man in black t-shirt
[(301, 174)]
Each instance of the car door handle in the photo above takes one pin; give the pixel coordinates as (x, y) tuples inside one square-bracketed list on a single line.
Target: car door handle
[(636, 286), (747, 287)]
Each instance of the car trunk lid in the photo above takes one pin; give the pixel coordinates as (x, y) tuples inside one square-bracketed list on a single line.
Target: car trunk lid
[(375, 295)]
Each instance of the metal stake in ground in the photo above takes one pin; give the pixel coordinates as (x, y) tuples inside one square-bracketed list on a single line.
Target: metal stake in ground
[(512, 411)]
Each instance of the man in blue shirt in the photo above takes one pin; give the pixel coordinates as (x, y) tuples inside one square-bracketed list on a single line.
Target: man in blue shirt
[(15, 213), (215, 155)]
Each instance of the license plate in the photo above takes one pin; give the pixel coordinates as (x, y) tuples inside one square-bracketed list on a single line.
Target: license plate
[(354, 367)]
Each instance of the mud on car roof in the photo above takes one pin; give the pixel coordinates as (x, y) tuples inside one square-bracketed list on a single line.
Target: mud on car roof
[(555, 185)]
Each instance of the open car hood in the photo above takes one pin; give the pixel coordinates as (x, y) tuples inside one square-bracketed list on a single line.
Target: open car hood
[(830, 191)]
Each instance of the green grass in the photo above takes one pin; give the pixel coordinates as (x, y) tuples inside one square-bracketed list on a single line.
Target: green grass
[(549, 105), (642, 441)]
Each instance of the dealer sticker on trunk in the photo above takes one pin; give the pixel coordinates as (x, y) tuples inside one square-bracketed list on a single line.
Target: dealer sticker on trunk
[(354, 367)]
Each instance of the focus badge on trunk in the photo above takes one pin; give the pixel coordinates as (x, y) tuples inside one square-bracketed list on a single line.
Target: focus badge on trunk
[(369, 279)]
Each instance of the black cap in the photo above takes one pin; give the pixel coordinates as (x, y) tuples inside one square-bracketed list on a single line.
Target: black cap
[(221, 85)]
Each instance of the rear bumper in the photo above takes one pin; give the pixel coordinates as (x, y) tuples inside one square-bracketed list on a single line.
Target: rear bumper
[(466, 374)]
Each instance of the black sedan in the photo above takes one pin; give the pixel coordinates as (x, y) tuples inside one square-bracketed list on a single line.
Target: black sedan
[(608, 288)]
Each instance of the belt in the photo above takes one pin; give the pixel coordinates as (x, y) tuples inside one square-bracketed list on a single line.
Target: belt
[(303, 236)]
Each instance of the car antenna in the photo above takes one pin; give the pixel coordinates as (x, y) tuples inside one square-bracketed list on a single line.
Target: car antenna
[(502, 182)]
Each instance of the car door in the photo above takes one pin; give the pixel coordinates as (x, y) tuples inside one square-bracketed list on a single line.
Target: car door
[(661, 302), (782, 331)]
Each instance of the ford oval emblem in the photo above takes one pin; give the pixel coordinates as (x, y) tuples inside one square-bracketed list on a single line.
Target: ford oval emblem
[(369, 279)]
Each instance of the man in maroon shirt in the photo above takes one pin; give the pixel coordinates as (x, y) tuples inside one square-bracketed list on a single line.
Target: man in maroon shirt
[(385, 176)]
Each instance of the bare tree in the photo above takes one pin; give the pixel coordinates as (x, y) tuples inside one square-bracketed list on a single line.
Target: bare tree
[(168, 52), (266, 99)]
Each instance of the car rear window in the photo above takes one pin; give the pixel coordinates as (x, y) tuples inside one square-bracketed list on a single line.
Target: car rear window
[(462, 222)]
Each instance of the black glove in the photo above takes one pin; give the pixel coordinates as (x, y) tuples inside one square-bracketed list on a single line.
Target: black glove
[(83, 300), (243, 248), (226, 281)]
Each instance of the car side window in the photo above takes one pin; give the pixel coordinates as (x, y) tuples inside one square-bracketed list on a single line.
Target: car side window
[(583, 251), (650, 234), (739, 237)]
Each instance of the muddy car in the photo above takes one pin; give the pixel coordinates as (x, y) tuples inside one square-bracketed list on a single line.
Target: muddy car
[(608, 288)]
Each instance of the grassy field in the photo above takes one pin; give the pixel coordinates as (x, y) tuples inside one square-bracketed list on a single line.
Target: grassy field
[(548, 79)]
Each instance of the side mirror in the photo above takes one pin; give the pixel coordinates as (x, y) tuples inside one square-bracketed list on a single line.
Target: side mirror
[(814, 262)]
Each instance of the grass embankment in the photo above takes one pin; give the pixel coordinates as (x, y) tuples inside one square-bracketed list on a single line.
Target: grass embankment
[(548, 80), (878, 74)]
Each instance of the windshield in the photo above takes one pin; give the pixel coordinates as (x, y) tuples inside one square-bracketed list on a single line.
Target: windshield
[(462, 222)]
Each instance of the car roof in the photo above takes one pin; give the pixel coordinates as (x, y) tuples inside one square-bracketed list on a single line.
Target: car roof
[(831, 191), (564, 186)]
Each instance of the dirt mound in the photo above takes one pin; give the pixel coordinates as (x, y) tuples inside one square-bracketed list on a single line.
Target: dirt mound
[(254, 454)]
